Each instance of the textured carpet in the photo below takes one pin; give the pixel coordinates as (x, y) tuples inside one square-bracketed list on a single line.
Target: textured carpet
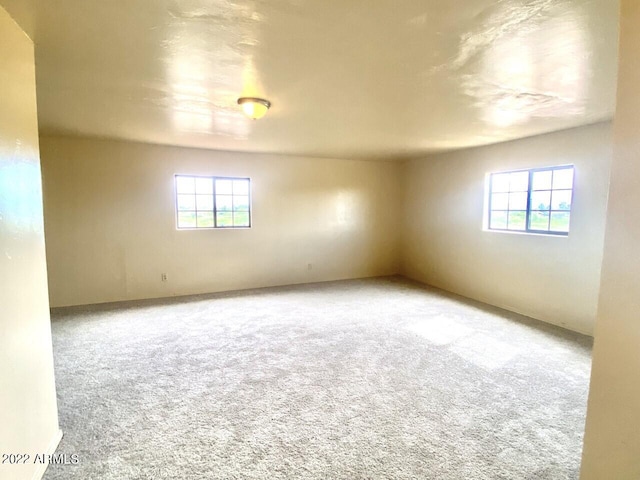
[(361, 379)]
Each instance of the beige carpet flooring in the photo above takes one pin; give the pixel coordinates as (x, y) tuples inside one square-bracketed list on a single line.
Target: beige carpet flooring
[(366, 379)]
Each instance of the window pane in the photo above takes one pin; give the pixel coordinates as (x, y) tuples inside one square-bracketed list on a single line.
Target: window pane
[(541, 197), (241, 219), (500, 201), (539, 221), (517, 201), (517, 220), (561, 200), (498, 220), (519, 182), (185, 184), (225, 219), (500, 182), (563, 178), (560, 222), (224, 187), (241, 187), (224, 203), (205, 220), (186, 202), (186, 219), (204, 185), (204, 202), (210, 202), (542, 180), (240, 204), (540, 200)]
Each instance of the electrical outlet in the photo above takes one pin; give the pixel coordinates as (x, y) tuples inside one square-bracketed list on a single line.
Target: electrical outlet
[(309, 266), (164, 277)]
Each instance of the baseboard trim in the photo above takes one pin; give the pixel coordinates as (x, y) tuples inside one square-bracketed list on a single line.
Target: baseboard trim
[(53, 445), (178, 297), (501, 306)]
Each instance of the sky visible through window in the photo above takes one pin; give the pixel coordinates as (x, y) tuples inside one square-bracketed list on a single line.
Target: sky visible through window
[(536, 201), (212, 202)]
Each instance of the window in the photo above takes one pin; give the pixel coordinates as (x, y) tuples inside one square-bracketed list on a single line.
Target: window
[(534, 201), (212, 202)]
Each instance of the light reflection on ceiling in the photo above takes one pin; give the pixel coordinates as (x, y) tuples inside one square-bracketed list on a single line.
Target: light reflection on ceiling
[(354, 79), (533, 64), (203, 73)]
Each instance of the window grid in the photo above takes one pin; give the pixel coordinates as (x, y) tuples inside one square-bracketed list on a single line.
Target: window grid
[(235, 213), (531, 213)]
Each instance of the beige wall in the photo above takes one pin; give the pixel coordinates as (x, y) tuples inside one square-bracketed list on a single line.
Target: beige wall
[(28, 415), (110, 221), (554, 279), (612, 437)]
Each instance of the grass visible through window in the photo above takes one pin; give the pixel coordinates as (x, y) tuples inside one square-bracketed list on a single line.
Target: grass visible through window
[(212, 202), (535, 201)]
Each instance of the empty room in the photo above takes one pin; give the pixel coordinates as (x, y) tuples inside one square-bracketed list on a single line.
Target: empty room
[(297, 239)]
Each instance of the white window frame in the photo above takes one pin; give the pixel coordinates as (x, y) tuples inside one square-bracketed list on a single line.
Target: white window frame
[(215, 211), (529, 210)]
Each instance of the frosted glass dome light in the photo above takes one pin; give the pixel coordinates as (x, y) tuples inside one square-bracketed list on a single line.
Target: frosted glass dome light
[(254, 107)]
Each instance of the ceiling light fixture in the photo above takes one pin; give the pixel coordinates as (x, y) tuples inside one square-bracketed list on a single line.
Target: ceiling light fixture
[(254, 107)]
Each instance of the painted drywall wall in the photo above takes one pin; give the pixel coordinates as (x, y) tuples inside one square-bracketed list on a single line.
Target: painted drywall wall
[(28, 411), (612, 437), (554, 279), (111, 233)]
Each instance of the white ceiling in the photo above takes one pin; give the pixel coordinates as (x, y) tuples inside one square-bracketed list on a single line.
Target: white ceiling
[(347, 78)]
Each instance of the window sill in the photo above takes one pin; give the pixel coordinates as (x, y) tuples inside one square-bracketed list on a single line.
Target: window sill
[(532, 234), (210, 229)]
